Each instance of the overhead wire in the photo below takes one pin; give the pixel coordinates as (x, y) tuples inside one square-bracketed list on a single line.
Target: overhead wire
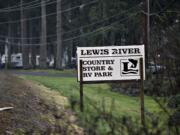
[(163, 10), (88, 33), (50, 14), (36, 5), (170, 32), (17, 6), (83, 26), (105, 28)]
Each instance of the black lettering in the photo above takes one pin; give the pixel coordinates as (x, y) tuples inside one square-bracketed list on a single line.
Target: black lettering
[(95, 52), (112, 61), (87, 74), (131, 50), (84, 63), (114, 51), (102, 74), (82, 52), (94, 68), (84, 69), (106, 51), (124, 51), (89, 52), (136, 50)]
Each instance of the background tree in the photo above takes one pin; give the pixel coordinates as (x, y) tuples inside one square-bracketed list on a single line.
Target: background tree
[(59, 54), (25, 48), (43, 46)]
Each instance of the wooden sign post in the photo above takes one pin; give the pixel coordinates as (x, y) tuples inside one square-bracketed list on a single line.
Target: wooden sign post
[(81, 86), (142, 91)]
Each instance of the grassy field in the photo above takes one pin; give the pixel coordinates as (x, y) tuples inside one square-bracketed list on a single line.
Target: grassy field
[(123, 104), (100, 101), (52, 71)]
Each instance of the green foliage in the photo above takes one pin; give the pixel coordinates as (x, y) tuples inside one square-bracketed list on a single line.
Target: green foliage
[(174, 101), (96, 92), (107, 112), (174, 119)]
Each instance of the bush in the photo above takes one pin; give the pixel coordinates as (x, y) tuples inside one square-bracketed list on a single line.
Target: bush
[(99, 120), (174, 101), (174, 119), (128, 88)]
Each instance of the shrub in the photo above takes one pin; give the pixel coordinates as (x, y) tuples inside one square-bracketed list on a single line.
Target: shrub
[(174, 119), (174, 101)]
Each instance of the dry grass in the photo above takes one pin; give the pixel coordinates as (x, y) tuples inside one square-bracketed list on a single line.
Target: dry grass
[(37, 110)]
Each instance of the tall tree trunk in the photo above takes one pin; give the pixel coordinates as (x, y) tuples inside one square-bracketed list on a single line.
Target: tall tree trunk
[(25, 53), (9, 47), (70, 42), (43, 47), (9, 43), (82, 13), (59, 54), (103, 16), (32, 47)]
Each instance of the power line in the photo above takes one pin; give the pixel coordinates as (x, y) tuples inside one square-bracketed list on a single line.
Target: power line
[(36, 5), (18, 6), (81, 35), (82, 27), (89, 33), (50, 14), (163, 10)]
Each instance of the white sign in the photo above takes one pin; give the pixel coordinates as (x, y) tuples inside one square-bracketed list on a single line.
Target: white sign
[(110, 63)]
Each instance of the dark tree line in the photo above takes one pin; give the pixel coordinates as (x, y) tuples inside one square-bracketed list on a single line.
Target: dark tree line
[(56, 27)]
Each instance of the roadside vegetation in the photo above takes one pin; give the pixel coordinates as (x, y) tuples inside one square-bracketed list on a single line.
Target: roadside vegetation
[(49, 71), (108, 112), (35, 110)]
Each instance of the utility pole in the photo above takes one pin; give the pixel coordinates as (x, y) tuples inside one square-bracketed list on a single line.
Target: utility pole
[(146, 30), (59, 52)]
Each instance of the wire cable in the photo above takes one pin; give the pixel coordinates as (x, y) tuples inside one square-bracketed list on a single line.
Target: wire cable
[(81, 35), (18, 6), (101, 29), (50, 14), (36, 5), (82, 27)]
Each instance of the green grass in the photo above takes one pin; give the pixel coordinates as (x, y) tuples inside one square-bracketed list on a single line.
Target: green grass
[(104, 108), (100, 101), (97, 93), (51, 71)]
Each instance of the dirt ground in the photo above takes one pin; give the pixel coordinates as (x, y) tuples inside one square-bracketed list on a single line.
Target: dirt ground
[(36, 110)]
